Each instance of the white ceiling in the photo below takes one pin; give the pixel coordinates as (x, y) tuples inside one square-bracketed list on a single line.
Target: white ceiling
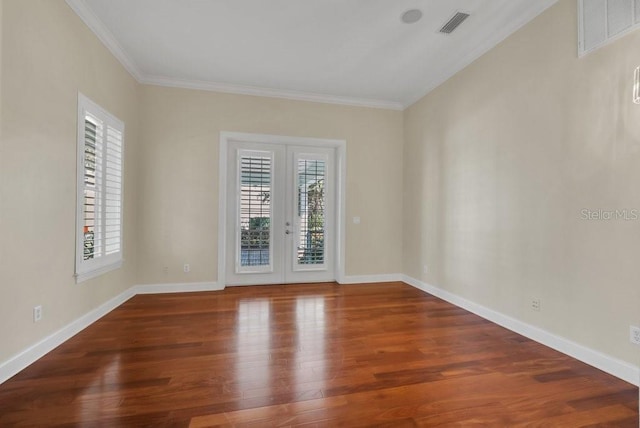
[(354, 52)]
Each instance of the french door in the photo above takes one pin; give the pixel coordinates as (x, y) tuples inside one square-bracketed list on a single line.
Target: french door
[(280, 214)]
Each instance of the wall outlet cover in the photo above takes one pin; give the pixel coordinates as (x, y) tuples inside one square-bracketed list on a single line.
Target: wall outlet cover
[(535, 304), (634, 335), (37, 313)]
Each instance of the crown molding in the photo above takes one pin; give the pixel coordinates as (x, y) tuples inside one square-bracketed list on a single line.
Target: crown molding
[(490, 41), (493, 39), (230, 88), (107, 38), (104, 35)]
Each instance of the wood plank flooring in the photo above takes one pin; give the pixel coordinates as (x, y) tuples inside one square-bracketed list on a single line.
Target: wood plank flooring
[(309, 355)]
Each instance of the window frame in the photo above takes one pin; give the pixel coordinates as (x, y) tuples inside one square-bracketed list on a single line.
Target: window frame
[(87, 269)]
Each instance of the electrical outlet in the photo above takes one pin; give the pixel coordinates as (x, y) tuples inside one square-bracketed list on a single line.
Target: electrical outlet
[(535, 304), (634, 334), (425, 269), (165, 270), (37, 313), (187, 268)]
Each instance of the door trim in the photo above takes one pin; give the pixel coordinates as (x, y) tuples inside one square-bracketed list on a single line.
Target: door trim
[(341, 173)]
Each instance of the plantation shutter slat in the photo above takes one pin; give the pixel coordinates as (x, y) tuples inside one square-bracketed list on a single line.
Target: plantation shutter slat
[(103, 191), (93, 187), (113, 186), (100, 190)]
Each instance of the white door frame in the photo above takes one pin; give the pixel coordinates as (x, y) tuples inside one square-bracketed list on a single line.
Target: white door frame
[(341, 175)]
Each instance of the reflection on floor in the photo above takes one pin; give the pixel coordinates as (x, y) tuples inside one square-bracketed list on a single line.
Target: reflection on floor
[(316, 355)]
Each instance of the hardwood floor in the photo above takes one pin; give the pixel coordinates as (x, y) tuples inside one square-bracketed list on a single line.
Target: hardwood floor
[(309, 355)]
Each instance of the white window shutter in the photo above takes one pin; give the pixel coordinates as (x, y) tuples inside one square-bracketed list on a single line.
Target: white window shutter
[(100, 179), (92, 187), (113, 191)]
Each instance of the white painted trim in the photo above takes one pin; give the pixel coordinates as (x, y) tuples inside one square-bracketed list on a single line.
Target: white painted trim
[(341, 173), (222, 206), (230, 88), (84, 276), (27, 357), (492, 40), (341, 210), (368, 279), (606, 363), (109, 40), (105, 36), (187, 287), (87, 269), (246, 137), (22, 360)]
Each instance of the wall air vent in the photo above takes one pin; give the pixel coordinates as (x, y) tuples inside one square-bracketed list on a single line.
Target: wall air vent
[(600, 22), (454, 22)]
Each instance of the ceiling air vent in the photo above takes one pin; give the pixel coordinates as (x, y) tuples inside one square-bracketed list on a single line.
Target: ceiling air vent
[(453, 23)]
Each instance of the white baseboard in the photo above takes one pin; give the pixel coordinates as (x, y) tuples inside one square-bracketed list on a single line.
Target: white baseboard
[(368, 279), (618, 368), (187, 287), (606, 363), (27, 357), (19, 362)]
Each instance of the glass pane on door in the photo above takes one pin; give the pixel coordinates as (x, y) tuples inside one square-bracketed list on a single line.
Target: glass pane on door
[(311, 198), (255, 212)]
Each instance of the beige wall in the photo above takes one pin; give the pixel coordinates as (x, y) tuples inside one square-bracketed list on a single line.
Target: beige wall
[(179, 176), (500, 161), (1, 9), (498, 164), (48, 55)]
